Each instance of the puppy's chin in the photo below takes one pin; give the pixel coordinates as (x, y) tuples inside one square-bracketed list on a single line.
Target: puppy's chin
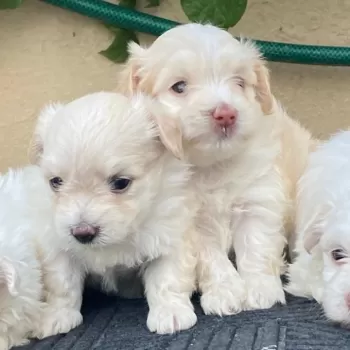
[(211, 148), (340, 316), (334, 300)]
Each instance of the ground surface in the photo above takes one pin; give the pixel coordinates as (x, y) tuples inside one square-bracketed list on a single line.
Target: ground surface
[(111, 323)]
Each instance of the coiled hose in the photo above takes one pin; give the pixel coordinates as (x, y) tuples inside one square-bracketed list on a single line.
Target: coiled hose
[(142, 22)]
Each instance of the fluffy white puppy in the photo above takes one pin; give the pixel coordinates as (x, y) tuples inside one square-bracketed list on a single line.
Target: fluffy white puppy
[(220, 115), (321, 267), (29, 250), (24, 211), (120, 199)]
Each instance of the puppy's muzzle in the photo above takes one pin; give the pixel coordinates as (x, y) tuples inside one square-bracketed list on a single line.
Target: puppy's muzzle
[(85, 233)]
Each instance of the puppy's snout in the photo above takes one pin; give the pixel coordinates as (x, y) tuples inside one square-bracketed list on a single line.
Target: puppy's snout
[(224, 115), (85, 233)]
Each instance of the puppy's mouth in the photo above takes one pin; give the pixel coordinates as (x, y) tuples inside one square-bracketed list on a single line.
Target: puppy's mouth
[(224, 133), (215, 135), (210, 132)]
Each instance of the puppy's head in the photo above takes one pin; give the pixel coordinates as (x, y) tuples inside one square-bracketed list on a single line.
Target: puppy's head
[(103, 160), (214, 88), (332, 236)]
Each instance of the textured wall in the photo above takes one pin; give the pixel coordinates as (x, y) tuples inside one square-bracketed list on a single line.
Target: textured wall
[(47, 53)]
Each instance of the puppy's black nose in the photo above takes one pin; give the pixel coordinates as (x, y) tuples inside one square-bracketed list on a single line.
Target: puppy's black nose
[(85, 233)]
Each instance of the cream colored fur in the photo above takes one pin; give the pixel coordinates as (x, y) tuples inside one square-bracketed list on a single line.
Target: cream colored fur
[(244, 179)]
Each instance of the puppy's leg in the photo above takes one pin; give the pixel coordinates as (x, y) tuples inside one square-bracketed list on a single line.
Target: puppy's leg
[(305, 276), (4, 341), (63, 287), (223, 290), (259, 242), (13, 335), (169, 284)]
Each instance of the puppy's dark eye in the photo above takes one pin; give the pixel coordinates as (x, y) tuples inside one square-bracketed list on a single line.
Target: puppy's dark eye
[(119, 184), (338, 254), (179, 87), (55, 183), (240, 82)]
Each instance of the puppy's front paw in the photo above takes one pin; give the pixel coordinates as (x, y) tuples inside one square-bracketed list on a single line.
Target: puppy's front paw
[(58, 322), (4, 342), (20, 342), (263, 291), (171, 318), (224, 299)]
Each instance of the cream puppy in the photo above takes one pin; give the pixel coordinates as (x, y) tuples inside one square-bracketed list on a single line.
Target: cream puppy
[(321, 267), (24, 211), (121, 199), (248, 154)]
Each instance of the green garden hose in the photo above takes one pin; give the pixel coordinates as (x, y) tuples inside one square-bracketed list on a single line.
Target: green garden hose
[(142, 22)]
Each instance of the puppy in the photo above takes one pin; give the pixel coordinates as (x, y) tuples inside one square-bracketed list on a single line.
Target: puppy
[(24, 212), (29, 248), (321, 267), (121, 199), (221, 116)]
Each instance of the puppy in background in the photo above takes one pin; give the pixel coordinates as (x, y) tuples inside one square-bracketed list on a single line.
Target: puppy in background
[(220, 115), (120, 199), (24, 211), (321, 262)]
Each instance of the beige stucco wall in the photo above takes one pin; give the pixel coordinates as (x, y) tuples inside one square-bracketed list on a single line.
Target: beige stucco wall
[(47, 53)]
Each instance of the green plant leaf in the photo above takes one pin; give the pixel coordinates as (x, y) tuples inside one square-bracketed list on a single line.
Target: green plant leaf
[(118, 50), (222, 13), (152, 3), (128, 3), (9, 4), (112, 28)]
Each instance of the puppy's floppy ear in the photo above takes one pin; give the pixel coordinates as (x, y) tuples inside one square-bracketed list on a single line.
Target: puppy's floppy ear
[(43, 122), (262, 87), (171, 135), (129, 78), (8, 278), (169, 128), (252, 54), (311, 239), (313, 228)]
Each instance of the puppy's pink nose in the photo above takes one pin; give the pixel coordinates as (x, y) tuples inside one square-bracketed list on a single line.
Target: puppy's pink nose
[(347, 300), (225, 115), (85, 233)]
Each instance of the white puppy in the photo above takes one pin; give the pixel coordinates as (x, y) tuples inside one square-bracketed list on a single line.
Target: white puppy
[(247, 153), (24, 210), (321, 267), (29, 250), (120, 199)]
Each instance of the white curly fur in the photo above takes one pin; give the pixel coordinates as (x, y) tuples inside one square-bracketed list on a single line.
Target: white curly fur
[(86, 143), (323, 226), (27, 244)]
